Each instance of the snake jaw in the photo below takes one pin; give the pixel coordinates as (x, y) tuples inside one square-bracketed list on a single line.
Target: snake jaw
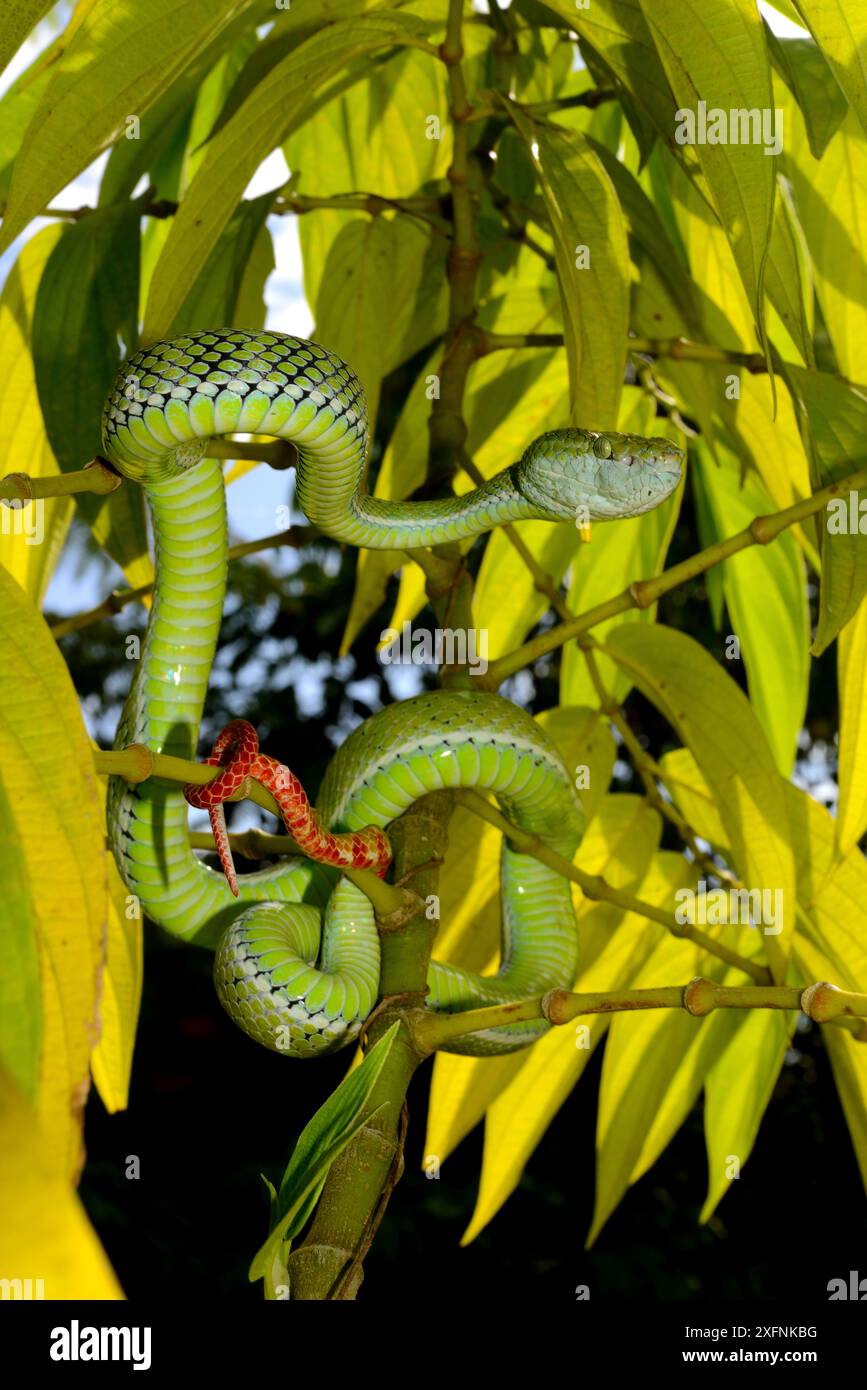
[(607, 475)]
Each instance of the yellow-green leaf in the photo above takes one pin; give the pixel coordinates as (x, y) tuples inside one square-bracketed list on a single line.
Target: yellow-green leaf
[(840, 30), (536, 385), (19, 17), (86, 304), (737, 1092), (122, 58), (56, 840), (831, 202), (772, 443), (852, 773), (111, 1062), (805, 71), (714, 719), (834, 417), (618, 33), (716, 54), (788, 280), (371, 137), (766, 594), (44, 1231), (518, 1118), (265, 119), (849, 1064), (592, 256), (655, 1065), (31, 537), (382, 297)]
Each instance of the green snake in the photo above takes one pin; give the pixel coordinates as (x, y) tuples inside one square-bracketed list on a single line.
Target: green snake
[(297, 950)]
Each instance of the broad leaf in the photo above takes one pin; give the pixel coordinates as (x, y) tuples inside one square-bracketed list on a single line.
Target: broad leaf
[(766, 595), (619, 844), (44, 1230), (265, 119), (852, 769), (123, 55), (716, 54), (714, 719), (805, 71), (840, 30), (519, 1117), (87, 300), (53, 851), (592, 257), (737, 1092), (31, 537), (833, 417)]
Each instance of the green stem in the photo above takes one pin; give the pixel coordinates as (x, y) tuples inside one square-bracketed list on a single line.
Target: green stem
[(823, 1002), (96, 476)]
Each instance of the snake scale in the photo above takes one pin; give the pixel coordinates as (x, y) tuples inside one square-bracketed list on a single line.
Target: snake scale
[(297, 950)]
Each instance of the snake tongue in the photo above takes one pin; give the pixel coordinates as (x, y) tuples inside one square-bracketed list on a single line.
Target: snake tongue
[(221, 840)]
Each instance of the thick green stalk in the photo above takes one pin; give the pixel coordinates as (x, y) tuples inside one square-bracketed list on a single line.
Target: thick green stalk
[(328, 1263)]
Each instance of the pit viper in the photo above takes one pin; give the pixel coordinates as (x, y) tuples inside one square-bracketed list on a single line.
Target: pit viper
[(297, 950)]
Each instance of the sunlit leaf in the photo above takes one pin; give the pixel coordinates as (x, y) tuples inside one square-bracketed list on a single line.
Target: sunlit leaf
[(852, 771), (519, 1117), (45, 1234), (53, 848), (714, 719), (617, 31), (213, 298), (372, 137), (840, 30), (111, 1062), (737, 1091), (834, 416), (717, 54), (86, 302), (831, 202), (619, 843), (265, 119), (123, 56), (31, 537), (805, 71), (766, 595), (592, 256)]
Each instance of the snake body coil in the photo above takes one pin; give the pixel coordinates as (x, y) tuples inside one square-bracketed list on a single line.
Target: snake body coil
[(297, 957)]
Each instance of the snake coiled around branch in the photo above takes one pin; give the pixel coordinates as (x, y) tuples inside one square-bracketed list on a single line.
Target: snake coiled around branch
[(297, 951)]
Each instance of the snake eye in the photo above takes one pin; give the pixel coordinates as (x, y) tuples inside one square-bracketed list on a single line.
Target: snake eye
[(602, 447)]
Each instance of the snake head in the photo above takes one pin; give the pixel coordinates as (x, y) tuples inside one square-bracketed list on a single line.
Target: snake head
[(583, 475)]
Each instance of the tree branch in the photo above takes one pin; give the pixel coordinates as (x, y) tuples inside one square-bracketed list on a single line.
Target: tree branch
[(118, 599), (821, 1002), (97, 476)]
